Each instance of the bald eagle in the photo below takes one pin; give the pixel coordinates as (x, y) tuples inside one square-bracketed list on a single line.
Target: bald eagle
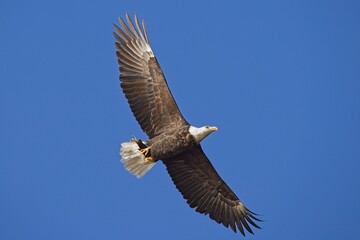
[(171, 138)]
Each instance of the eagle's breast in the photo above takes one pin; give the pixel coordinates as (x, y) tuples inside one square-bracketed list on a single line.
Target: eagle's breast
[(171, 143)]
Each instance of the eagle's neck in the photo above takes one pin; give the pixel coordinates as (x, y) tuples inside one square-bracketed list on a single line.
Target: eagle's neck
[(200, 133)]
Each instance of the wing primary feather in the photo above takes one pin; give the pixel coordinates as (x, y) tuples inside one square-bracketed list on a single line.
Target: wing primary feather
[(244, 223), (232, 226), (240, 227), (216, 210), (251, 214), (118, 38), (126, 28), (221, 210), (251, 221), (125, 53), (121, 32), (139, 29), (129, 71), (225, 216), (251, 211), (231, 220), (145, 32), (133, 52), (248, 228), (130, 23), (135, 46), (128, 64)]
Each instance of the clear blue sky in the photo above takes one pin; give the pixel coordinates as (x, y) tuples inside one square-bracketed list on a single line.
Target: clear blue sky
[(281, 80)]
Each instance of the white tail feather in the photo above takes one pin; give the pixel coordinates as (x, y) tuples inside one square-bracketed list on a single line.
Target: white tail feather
[(133, 160)]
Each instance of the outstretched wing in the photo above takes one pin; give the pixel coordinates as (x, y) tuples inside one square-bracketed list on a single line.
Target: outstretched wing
[(143, 81), (204, 190)]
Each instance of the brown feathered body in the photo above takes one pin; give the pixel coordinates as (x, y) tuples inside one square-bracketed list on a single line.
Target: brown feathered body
[(171, 143)]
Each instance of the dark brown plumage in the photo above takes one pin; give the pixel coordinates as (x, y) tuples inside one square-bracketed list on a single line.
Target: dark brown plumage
[(171, 138), (204, 190)]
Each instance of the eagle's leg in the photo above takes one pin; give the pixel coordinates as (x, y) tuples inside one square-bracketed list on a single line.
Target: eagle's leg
[(146, 152)]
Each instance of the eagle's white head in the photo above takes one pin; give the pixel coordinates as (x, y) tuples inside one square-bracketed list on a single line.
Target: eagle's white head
[(200, 133)]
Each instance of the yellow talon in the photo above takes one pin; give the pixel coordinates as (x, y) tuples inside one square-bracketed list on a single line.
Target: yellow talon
[(149, 159), (145, 151)]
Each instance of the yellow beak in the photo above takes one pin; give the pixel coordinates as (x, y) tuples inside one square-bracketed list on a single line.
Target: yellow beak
[(213, 128)]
